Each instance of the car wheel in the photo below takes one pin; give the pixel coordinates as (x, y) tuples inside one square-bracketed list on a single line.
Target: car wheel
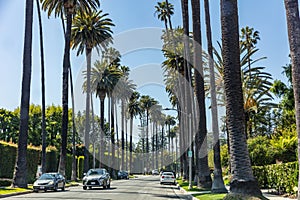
[(84, 187), (90, 187), (55, 188), (63, 188), (45, 190)]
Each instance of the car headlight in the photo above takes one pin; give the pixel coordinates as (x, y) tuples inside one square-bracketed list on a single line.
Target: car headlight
[(35, 184), (51, 183)]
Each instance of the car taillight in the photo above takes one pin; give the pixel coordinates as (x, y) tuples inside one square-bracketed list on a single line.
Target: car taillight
[(163, 176), (172, 176)]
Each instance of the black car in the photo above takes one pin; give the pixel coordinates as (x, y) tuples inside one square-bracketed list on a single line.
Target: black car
[(96, 178), (123, 175), (49, 181)]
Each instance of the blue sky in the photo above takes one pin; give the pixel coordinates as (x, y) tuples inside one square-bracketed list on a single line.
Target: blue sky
[(129, 16)]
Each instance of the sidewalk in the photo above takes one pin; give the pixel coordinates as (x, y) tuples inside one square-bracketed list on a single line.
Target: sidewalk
[(265, 193)]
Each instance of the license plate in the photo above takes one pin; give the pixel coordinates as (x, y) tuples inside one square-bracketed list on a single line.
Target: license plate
[(93, 183), (42, 187)]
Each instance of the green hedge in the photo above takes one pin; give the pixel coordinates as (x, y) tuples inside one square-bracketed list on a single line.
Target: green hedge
[(8, 152), (282, 177)]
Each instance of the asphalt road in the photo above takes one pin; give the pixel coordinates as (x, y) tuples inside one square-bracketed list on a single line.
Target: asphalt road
[(140, 188)]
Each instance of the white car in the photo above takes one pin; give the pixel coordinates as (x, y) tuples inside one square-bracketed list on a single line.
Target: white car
[(167, 178)]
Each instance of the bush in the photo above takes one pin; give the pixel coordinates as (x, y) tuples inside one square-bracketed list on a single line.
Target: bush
[(8, 152), (281, 177)]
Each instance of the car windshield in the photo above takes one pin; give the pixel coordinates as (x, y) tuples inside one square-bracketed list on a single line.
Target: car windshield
[(95, 172), (47, 177), (168, 173)]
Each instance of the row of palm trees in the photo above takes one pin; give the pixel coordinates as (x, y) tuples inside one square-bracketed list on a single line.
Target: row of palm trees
[(240, 103)]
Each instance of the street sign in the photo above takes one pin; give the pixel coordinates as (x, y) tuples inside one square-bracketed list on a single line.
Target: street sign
[(190, 154)]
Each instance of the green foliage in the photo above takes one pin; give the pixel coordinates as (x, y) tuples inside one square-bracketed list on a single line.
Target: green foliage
[(7, 162), (8, 154), (80, 163), (260, 151), (282, 177), (5, 183), (284, 145), (51, 160), (224, 155)]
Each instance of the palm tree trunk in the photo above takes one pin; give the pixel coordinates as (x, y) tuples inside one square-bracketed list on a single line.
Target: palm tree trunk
[(74, 173), (156, 145), (147, 141), (66, 65), (218, 183), (113, 167), (122, 133), (20, 173), (115, 110), (44, 134), (162, 146), (101, 153), (293, 25), (130, 145), (126, 144), (243, 181), (87, 109)]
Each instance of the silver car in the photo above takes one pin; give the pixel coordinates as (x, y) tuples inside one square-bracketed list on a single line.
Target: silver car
[(96, 178), (49, 181)]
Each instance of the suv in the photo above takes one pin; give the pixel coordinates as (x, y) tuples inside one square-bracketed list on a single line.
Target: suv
[(96, 178)]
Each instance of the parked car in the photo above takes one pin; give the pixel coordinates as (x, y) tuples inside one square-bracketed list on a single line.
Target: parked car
[(155, 172), (96, 178), (167, 178), (123, 175), (49, 181)]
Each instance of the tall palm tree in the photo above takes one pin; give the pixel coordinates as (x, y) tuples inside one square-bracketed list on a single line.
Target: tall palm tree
[(90, 30), (44, 133), (218, 183), (68, 7), (243, 180), (249, 38), (123, 90), (203, 173), (164, 10), (20, 173), (103, 80), (134, 109), (293, 24), (170, 121)]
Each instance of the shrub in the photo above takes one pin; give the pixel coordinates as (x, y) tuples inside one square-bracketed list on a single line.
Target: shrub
[(282, 177)]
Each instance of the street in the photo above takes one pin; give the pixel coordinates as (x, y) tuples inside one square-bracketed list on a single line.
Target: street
[(140, 188)]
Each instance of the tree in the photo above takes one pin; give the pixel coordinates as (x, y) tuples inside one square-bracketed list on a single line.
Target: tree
[(133, 109), (90, 30), (68, 7), (203, 173), (293, 26), (243, 181), (218, 183), (146, 103), (20, 173)]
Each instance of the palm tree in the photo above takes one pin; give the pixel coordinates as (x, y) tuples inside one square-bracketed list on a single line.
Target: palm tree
[(134, 109), (203, 173), (170, 121), (90, 30), (123, 90), (218, 183), (44, 134), (68, 7), (293, 24), (164, 10), (20, 173), (103, 80), (249, 38), (146, 103), (243, 180)]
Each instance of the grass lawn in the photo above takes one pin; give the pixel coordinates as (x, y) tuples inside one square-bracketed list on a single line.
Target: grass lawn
[(210, 196), (8, 190), (185, 186)]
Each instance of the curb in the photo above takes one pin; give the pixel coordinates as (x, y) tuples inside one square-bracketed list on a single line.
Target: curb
[(14, 194), (181, 190)]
